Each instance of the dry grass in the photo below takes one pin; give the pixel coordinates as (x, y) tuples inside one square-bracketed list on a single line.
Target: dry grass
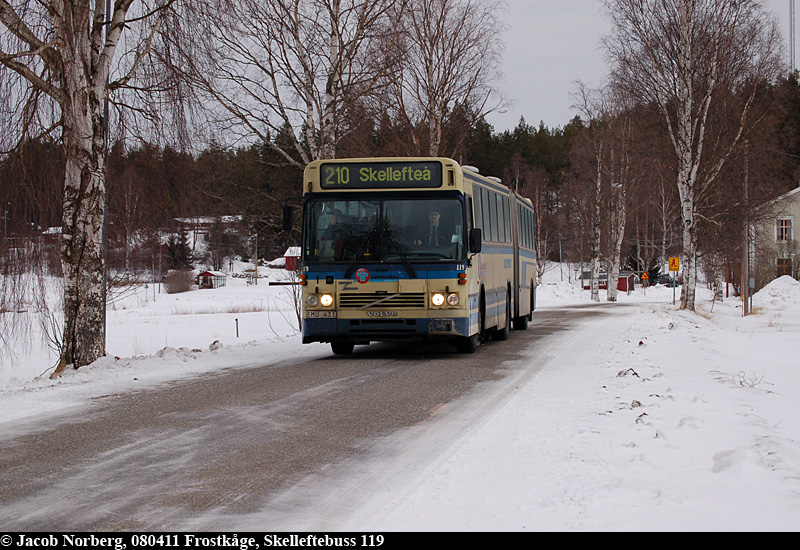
[(254, 307)]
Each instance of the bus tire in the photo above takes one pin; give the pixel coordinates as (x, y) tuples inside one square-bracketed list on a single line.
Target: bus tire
[(502, 333), (468, 344), (482, 317), (342, 347), (521, 322), (533, 300)]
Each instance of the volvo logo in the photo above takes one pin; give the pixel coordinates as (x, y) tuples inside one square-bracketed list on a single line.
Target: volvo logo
[(381, 314)]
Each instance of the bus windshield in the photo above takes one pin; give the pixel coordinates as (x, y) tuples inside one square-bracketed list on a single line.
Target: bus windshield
[(384, 231)]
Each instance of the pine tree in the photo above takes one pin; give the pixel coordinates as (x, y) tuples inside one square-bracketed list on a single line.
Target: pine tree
[(179, 251)]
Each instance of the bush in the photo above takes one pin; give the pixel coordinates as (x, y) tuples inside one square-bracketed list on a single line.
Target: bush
[(178, 281)]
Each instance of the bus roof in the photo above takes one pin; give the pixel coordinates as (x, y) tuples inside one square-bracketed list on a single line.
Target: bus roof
[(392, 173)]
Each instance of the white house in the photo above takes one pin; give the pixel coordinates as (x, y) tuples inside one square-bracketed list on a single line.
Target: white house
[(775, 243)]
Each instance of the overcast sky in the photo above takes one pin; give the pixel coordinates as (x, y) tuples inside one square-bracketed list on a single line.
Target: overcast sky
[(550, 45)]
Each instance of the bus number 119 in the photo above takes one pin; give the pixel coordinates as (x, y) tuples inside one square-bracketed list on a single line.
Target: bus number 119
[(371, 540)]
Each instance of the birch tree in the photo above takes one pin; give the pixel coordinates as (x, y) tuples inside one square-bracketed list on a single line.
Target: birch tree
[(622, 182), (58, 58), (595, 108), (451, 58), (263, 66), (682, 56)]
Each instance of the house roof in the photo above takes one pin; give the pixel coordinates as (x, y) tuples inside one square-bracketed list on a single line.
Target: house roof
[(784, 196), (213, 274), (207, 220)]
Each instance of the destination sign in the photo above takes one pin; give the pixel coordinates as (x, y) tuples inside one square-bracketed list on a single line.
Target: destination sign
[(380, 175)]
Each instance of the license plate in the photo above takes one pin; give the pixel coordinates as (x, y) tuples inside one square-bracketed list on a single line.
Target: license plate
[(320, 315)]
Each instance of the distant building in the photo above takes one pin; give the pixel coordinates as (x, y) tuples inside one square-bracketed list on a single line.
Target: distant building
[(775, 251), (586, 279), (211, 279), (292, 257), (203, 224), (626, 281)]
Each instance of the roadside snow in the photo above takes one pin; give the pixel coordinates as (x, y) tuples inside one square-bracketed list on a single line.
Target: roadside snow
[(660, 420), (654, 419)]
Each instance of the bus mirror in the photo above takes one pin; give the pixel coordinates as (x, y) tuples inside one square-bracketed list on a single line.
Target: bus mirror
[(287, 218), (475, 240)]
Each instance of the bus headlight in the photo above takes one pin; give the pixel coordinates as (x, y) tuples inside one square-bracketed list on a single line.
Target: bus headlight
[(437, 299), (312, 300), (326, 300), (452, 299)]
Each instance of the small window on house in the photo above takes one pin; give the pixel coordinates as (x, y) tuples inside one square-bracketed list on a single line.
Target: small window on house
[(784, 267), (783, 229)]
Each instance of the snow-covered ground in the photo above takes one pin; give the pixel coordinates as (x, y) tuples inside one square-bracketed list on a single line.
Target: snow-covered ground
[(654, 419)]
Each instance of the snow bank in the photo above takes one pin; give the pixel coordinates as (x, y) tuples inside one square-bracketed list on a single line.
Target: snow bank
[(561, 292), (645, 418), (782, 294)]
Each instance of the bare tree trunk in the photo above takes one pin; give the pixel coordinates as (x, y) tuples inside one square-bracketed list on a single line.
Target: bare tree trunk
[(685, 143), (596, 111), (76, 50), (622, 183), (617, 234), (333, 87), (718, 276), (689, 255), (596, 225), (83, 257)]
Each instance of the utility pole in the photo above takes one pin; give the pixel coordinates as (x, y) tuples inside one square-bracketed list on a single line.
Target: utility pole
[(792, 50), (105, 206), (746, 240)]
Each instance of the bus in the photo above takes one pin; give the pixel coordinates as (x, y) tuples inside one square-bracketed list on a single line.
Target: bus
[(375, 268)]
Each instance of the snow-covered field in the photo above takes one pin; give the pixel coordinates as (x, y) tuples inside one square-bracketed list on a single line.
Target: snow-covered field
[(654, 419)]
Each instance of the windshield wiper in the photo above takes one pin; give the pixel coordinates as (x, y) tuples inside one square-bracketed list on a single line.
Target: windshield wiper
[(390, 238), (361, 252), (393, 240)]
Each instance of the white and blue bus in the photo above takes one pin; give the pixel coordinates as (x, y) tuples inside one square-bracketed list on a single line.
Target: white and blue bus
[(375, 267)]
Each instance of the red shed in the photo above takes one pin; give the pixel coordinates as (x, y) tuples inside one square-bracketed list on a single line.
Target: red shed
[(626, 282), (211, 279), (292, 256)]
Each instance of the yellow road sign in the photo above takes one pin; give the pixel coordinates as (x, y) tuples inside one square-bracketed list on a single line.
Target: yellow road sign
[(674, 264)]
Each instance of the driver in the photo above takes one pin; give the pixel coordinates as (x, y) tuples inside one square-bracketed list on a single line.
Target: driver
[(434, 234)]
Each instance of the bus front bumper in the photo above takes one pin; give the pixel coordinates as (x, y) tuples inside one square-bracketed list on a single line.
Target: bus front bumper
[(383, 330)]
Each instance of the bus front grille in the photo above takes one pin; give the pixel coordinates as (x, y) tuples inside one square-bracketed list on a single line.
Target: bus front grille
[(374, 300)]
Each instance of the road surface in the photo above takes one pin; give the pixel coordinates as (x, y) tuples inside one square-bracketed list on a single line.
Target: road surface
[(288, 445)]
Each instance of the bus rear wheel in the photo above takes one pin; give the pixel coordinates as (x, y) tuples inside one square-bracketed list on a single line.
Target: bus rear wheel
[(521, 322), (502, 333)]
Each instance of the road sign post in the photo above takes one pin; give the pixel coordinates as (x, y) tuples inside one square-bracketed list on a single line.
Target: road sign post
[(674, 267)]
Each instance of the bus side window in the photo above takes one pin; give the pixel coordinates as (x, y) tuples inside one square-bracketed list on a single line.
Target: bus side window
[(489, 215), (478, 208), (495, 218)]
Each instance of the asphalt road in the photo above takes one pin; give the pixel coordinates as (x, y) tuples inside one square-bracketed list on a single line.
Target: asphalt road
[(223, 445)]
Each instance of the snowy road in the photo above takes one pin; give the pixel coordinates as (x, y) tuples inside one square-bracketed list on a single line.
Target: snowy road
[(203, 452)]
